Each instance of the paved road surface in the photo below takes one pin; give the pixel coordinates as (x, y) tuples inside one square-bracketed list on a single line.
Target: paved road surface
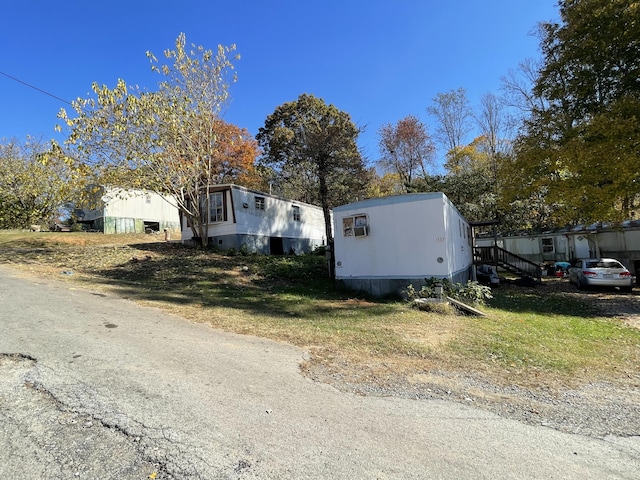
[(93, 386)]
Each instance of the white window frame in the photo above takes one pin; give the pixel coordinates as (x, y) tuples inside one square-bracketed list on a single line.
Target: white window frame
[(296, 213), (548, 248), (355, 226), (216, 207)]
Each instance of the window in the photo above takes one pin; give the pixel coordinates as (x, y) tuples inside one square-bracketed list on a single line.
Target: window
[(356, 226), (604, 264), (547, 245), (347, 227), (296, 213), (147, 199), (259, 203), (216, 207)]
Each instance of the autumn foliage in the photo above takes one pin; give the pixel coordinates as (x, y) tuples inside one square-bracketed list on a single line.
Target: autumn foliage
[(406, 149), (234, 155)]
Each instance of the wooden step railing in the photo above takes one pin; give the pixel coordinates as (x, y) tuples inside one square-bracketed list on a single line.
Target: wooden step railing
[(507, 260)]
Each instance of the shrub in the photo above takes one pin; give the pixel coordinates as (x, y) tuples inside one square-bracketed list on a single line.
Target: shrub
[(472, 292)]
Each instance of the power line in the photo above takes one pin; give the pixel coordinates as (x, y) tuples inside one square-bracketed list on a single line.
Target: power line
[(35, 88)]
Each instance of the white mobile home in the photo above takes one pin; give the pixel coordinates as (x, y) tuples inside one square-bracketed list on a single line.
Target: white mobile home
[(248, 220), (621, 241), (384, 244), (117, 210)]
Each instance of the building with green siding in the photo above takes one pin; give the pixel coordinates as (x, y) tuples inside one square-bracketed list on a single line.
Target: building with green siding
[(116, 210)]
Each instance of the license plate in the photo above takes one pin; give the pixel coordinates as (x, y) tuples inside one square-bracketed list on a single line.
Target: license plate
[(607, 275)]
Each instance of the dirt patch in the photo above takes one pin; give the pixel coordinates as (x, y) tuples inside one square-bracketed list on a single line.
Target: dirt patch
[(439, 333)]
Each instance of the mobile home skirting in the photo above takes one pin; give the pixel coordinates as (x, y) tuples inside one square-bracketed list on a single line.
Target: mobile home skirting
[(381, 287), (262, 244)]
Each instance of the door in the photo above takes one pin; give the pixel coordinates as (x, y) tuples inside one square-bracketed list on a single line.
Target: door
[(276, 246)]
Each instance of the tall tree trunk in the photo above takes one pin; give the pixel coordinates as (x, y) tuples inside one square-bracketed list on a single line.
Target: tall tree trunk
[(326, 210), (207, 213)]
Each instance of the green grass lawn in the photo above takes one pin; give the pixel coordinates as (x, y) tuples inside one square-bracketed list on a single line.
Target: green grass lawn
[(535, 334)]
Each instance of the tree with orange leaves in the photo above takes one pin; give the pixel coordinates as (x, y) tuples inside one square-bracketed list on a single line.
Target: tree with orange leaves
[(406, 150), (235, 153)]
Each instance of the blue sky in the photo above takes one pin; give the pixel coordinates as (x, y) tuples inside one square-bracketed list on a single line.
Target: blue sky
[(377, 60)]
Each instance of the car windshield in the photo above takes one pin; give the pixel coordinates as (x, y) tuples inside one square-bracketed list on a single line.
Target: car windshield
[(604, 264)]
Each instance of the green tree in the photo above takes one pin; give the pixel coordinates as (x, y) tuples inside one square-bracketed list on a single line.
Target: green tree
[(581, 150), (471, 187), (311, 147), (171, 140), (36, 181)]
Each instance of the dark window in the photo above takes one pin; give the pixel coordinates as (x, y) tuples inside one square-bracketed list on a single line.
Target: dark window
[(547, 245), (259, 203)]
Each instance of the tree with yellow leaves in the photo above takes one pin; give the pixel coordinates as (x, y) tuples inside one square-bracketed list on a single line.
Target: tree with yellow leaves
[(36, 181), (172, 140), (580, 145)]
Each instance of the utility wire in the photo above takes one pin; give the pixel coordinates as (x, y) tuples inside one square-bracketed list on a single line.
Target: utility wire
[(36, 88)]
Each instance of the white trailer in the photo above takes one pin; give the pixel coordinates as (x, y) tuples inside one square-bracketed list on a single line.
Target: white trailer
[(119, 210), (384, 244), (248, 220), (620, 241)]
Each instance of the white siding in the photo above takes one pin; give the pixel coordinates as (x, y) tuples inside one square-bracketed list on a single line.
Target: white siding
[(525, 247), (148, 206), (276, 220), (457, 238), (410, 236), (134, 206)]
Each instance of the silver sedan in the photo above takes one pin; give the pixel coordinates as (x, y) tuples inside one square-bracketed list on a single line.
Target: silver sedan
[(600, 272)]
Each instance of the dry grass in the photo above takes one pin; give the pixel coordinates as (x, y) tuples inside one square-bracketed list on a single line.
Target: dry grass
[(531, 337)]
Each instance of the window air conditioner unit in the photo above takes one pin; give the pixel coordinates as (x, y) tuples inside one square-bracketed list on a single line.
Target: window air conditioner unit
[(362, 231)]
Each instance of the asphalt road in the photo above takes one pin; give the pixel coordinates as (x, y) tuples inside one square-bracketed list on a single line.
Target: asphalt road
[(94, 386)]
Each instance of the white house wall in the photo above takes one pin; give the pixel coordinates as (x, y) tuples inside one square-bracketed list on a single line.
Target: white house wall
[(612, 241), (618, 242), (525, 247), (410, 237), (256, 230), (148, 206), (531, 246), (127, 211), (582, 246), (459, 240), (276, 220)]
